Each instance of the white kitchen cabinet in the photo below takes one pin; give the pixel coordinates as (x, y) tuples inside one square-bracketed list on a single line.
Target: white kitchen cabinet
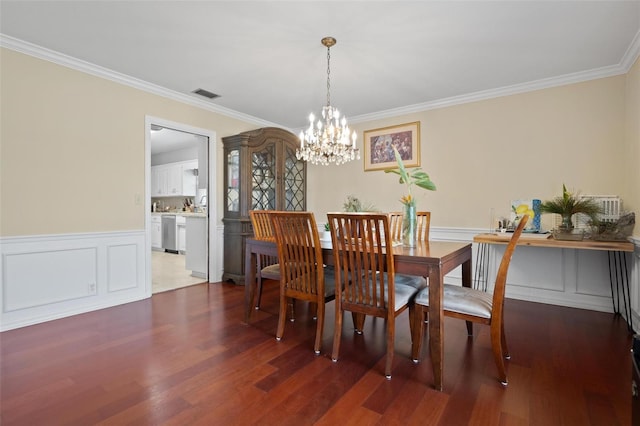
[(196, 255), (174, 179), (156, 231), (189, 178), (158, 181), (181, 233)]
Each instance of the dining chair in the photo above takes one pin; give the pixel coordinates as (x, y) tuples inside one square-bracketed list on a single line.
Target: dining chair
[(364, 270), (424, 222), (268, 267), (472, 306), (395, 225), (303, 275)]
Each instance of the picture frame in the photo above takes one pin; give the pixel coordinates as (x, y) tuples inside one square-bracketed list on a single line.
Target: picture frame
[(378, 154)]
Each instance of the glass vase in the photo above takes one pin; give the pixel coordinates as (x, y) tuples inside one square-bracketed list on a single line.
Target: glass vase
[(567, 223), (409, 225)]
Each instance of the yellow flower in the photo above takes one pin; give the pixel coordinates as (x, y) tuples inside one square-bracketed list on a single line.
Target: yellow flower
[(407, 199)]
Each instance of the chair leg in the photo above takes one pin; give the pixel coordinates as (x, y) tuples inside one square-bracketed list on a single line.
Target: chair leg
[(496, 346), (337, 331), (292, 312), (319, 327), (258, 291), (282, 316), (417, 333), (505, 348), (358, 321), (391, 334)]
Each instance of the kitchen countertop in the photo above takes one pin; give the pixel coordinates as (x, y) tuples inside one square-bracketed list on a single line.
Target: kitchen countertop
[(179, 213)]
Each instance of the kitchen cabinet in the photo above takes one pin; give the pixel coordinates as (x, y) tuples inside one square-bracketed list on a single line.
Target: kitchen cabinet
[(181, 233), (261, 172), (174, 179), (156, 231), (196, 254), (158, 181), (189, 172)]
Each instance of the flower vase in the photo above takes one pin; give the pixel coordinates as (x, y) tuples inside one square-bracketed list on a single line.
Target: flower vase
[(409, 225), (567, 223)]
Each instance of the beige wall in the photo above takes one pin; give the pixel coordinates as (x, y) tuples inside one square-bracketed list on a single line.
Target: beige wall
[(481, 155), (72, 153), (632, 155), (72, 146)]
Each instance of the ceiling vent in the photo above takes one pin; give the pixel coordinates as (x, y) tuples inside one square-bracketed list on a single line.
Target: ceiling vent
[(206, 93)]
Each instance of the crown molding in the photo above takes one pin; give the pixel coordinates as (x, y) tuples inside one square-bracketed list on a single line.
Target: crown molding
[(630, 56), (89, 68), (623, 67)]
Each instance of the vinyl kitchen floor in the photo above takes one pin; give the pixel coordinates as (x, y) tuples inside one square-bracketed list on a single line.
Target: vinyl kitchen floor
[(168, 272)]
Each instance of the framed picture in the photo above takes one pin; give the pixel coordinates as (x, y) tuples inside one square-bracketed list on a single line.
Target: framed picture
[(378, 146)]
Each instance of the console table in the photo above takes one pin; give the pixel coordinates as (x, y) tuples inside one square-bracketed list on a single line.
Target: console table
[(616, 252)]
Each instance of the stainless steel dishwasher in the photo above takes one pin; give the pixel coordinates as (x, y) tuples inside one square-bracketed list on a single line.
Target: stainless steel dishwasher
[(169, 241)]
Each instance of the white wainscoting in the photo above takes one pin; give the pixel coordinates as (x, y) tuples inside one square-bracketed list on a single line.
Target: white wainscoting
[(54, 276)]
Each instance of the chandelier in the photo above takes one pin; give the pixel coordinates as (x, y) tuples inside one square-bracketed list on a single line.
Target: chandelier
[(329, 140)]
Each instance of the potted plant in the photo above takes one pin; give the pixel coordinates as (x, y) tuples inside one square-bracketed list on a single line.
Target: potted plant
[(569, 204), (411, 177), (326, 234), (353, 204)]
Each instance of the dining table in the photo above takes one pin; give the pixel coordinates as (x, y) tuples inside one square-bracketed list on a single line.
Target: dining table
[(432, 259)]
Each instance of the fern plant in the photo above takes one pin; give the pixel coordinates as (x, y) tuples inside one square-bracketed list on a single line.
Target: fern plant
[(569, 204)]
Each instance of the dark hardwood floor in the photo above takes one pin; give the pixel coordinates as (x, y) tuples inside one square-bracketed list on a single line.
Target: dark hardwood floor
[(184, 357)]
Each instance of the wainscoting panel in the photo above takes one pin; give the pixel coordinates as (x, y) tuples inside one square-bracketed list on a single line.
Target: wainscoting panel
[(123, 267), (54, 276), (28, 285)]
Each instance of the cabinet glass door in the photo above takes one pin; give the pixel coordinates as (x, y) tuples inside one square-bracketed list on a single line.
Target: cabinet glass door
[(263, 179), (293, 181), (233, 184)]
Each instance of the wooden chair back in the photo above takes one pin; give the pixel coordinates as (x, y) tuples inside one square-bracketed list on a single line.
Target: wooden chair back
[(302, 273), (267, 265), (503, 269), (261, 223), (424, 222), (262, 228), (359, 239), (300, 254), (395, 225)]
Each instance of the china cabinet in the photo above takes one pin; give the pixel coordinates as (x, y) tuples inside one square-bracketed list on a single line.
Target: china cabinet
[(261, 172)]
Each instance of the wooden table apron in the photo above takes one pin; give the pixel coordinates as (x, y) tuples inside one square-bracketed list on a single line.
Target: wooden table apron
[(618, 270), (434, 259)]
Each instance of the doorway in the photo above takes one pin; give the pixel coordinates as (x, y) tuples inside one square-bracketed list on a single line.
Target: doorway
[(180, 211)]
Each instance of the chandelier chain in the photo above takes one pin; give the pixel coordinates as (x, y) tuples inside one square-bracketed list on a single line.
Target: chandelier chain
[(328, 76)]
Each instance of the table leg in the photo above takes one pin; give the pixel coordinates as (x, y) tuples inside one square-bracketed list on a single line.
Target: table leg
[(481, 276), (436, 323), (250, 271), (466, 282), (619, 281)]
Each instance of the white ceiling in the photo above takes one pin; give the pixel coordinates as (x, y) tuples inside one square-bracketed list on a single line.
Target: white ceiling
[(265, 58), (165, 139)]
